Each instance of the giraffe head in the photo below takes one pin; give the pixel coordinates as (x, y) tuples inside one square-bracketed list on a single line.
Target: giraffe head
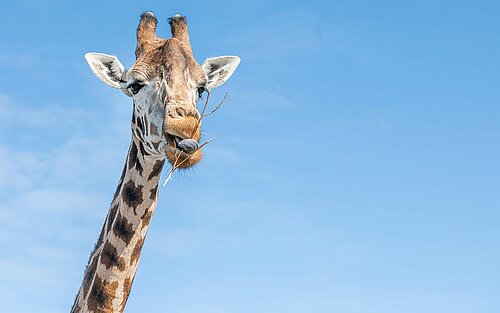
[(165, 82)]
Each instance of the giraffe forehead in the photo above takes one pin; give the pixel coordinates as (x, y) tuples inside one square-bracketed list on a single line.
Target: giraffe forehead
[(167, 59)]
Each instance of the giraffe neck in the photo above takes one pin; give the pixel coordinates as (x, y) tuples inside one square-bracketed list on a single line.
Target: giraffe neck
[(112, 265)]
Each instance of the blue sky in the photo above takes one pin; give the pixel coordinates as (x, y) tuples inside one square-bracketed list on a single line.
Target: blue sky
[(355, 166)]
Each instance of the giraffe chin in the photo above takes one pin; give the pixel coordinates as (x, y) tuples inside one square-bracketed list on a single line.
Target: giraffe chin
[(184, 160)]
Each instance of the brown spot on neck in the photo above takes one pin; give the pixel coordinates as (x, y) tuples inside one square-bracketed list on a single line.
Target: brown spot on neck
[(153, 193), (153, 129), (156, 169), (110, 257), (111, 216), (136, 254), (133, 160), (146, 217), (132, 155), (132, 195), (123, 229), (101, 296), (89, 275)]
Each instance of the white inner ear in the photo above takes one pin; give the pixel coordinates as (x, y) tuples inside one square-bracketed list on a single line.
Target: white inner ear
[(107, 68), (219, 69)]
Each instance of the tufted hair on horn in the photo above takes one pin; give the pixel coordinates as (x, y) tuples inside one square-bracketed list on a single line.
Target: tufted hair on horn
[(179, 29), (146, 32)]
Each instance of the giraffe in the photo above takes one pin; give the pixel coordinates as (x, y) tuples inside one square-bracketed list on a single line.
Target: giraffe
[(164, 83)]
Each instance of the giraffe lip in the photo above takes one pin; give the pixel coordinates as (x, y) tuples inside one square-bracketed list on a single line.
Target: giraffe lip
[(173, 140), (177, 139)]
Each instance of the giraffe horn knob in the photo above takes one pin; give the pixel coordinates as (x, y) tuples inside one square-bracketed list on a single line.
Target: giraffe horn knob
[(178, 26), (146, 31)]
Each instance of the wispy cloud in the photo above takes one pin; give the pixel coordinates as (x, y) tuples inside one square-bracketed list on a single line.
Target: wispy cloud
[(31, 158), (16, 59)]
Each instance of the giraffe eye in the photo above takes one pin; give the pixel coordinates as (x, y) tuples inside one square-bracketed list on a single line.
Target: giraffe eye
[(135, 87), (200, 91)]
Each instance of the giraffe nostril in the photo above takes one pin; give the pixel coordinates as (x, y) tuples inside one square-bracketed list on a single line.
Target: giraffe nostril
[(177, 112), (180, 112)]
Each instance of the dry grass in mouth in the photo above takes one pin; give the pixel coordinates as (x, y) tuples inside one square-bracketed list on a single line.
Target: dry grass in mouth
[(177, 164)]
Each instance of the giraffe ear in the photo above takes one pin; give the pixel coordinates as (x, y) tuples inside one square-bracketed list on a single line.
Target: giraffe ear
[(107, 68), (219, 69)]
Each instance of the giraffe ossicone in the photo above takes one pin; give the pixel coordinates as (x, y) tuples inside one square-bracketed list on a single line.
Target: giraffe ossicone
[(165, 82)]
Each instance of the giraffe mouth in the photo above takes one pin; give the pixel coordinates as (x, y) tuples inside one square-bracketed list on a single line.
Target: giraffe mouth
[(182, 145), (182, 153)]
